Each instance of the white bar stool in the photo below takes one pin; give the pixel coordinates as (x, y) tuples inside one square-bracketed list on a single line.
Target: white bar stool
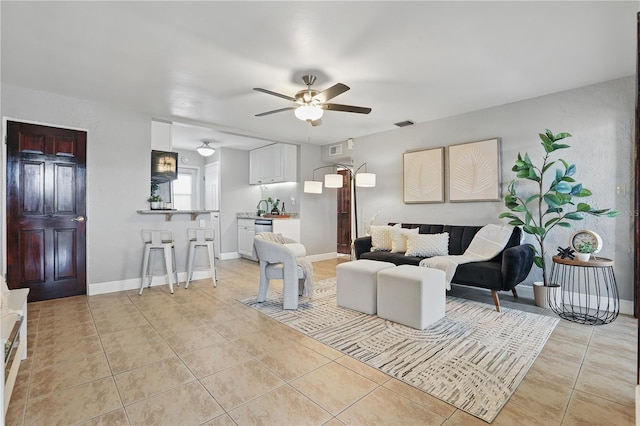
[(201, 237), (159, 240)]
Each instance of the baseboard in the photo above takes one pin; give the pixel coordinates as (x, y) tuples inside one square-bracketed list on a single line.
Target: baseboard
[(229, 255), (134, 283), (322, 256)]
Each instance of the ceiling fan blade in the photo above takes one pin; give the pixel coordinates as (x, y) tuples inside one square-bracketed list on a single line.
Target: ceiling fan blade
[(280, 95), (317, 122), (331, 92), (262, 114), (346, 108)]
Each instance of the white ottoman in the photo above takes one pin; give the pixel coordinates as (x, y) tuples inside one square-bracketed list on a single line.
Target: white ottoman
[(411, 295), (357, 284)]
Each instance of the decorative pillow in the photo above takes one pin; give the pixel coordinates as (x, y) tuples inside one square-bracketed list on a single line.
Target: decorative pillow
[(381, 237), (399, 239), (427, 245)]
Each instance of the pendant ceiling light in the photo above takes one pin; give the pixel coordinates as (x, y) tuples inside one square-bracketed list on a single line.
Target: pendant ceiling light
[(205, 150)]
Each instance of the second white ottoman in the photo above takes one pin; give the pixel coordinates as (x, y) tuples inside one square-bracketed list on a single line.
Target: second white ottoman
[(412, 295), (357, 284)]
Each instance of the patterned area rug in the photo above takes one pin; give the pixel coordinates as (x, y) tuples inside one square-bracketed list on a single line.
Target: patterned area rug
[(473, 359)]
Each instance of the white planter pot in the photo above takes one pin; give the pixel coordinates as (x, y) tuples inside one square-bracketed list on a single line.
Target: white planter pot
[(583, 257), (155, 205), (542, 294)]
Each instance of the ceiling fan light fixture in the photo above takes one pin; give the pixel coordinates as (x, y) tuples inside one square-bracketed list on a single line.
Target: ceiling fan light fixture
[(205, 150), (308, 112)]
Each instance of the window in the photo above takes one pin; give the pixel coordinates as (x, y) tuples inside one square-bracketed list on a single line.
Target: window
[(185, 189)]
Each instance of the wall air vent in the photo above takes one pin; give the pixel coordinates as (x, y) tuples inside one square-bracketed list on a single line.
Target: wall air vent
[(335, 150), (404, 123)]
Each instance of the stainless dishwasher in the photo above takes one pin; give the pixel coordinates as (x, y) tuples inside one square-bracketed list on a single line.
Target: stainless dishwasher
[(263, 225)]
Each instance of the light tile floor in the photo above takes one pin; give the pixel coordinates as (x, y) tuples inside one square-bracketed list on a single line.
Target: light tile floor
[(200, 357)]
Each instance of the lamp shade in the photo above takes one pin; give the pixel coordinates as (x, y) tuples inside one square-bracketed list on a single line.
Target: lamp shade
[(205, 150), (333, 181), (366, 180), (308, 112), (312, 187)]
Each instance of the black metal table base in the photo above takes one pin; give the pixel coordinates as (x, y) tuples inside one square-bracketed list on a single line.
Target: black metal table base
[(588, 293)]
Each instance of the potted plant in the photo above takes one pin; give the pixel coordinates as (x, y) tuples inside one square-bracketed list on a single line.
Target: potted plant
[(274, 203), (551, 203), (155, 200), (584, 251)]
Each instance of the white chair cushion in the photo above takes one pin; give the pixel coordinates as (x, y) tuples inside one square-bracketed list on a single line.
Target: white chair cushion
[(399, 238), (427, 245)]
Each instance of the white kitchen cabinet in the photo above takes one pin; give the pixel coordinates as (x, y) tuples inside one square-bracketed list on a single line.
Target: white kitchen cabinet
[(246, 232), (273, 163)]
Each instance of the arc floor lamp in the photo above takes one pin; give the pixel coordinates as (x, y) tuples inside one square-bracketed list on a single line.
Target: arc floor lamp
[(334, 180)]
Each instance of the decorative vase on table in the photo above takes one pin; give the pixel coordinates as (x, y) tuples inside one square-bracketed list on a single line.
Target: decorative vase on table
[(583, 257)]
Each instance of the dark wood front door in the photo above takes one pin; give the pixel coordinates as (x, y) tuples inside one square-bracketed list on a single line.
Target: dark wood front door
[(344, 214), (46, 210)]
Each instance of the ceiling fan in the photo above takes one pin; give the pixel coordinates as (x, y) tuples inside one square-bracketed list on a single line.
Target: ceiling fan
[(312, 102)]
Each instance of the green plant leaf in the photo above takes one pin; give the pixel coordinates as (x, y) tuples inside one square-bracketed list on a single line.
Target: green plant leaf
[(508, 215), (538, 261), (571, 170), (574, 216), (584, 192), (531, 198), (551, 222), (559, 175), (564, 224), (546, 138), (613, 213), (547, 166), (583, 207), (560, 146), (517, 222), (562, 136), (553, 200), (563, 188)]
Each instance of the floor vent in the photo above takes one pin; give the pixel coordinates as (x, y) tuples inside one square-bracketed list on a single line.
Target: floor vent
[(404, 123)]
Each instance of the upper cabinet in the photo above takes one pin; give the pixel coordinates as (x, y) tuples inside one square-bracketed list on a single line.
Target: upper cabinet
[(273, 163)]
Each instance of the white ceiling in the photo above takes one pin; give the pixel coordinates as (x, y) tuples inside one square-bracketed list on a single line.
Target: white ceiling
[(197, 62)]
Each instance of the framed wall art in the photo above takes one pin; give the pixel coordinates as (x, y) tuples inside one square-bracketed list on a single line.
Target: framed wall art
[(423, 176), (474, 171)]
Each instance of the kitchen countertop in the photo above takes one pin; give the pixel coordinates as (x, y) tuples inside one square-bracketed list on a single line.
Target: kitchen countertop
[(252, 215)]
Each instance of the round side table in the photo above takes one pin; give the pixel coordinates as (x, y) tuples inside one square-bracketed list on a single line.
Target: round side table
[(588, 293)]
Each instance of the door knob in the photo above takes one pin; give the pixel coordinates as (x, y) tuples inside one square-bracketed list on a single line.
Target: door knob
[(78, 219)]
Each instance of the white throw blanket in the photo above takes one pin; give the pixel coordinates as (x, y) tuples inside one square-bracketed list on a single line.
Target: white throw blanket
[(486, 244), (302, 261)]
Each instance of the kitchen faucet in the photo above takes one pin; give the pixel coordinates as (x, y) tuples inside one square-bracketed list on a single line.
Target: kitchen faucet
[(260, 212)]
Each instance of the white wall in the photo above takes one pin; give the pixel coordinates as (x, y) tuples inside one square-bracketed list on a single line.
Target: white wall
[(118, 173), (600, 118)]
